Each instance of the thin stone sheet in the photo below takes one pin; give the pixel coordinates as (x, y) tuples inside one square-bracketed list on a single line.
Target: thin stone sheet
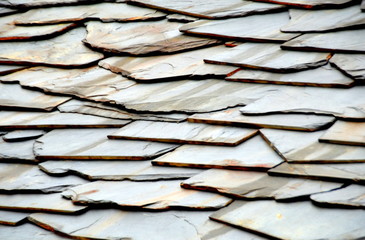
[(262, 28), (142, 38), (22, 135), (62, 51), (93, 143), (40, 3), (28, 232), (168, 67), (349, 41), (29, 178), (233, 116), (209, 8), (5, 11), (11, 218), (325, 76), (285, 220), (352, 65), (106, 12), (117, 170), (348, 133), (185, 132), (268, 57), (256, 185), (6, 69), (311, 4), (303, 147), (253, 154), (160, 195), (363, 6), (17, 151)]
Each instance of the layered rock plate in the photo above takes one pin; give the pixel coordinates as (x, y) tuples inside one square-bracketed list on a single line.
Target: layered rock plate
[(348, 133)]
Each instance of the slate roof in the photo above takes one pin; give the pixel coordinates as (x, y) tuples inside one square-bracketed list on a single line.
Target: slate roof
[(182, 119)]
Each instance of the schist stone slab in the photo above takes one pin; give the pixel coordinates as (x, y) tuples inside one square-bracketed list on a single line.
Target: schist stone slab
[(344, 103), (69, 48), (325, 76), (40, 3), (117, 170), (5, 11), (142, 37), (185, 132), (324, 20), (363, 6), (28, 232), (209, 8), (39, 202), (94, 144), (268, 57), (106, 12), (298, 122), (352, 65), (256, 185), (311, 4), (14, 96), (160, 195), (29, 178), (92, 83), (51, 120), (22, 135), (263, 28), (303, 147), (348, 133), (346, 172), (349, 41), (252, 154), (285, 220), (11, 218), (6, 69), (169, 67), (351, 196), (17, 151)]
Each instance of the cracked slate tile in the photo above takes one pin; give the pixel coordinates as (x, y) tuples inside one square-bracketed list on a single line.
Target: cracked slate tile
[(311, 4), (184, 132), (40, 3), (7, 69), (253, 154), (285, 220), (261, 28), (61, 51), (303, 147), (349, 41), (11, 218), (352, 65), (22, 135), (160, 195), (17, 151), (6, 11), (233, 116), (268, 57), (325, 76), (363, 6), (93, 83), (348, 133), (209, 8), (324, 20), (180, 18), (343, 103), (256, 185), (106, 12), (92, 143), (168, 67), (351, 196), (28, 232), (29, 178), (140, 38), (117, 170)]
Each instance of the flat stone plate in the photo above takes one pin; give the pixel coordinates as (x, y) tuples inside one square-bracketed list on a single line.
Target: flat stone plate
[(351, 196), (256, 185), (344, 103), (346, 172), (17, 151), (40, 3), (94, 144), (117, 170), (6, 69), (298, 122), (69, 48), (352, 65), (349, 41), (185, 132), (5, 11), (142, 37), (311, 4), (22, 135), (324, 20), (268, 57), (348, 133), (169, 67), (29, 178), (28, 232), (51, 120), (263, 28), (160, 195), (12, 218), (325, 76), (285, 220), (209, 8), (363, 6), (303, 147), (92, 83), (101, 11), (39, 202), (252, 154)]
